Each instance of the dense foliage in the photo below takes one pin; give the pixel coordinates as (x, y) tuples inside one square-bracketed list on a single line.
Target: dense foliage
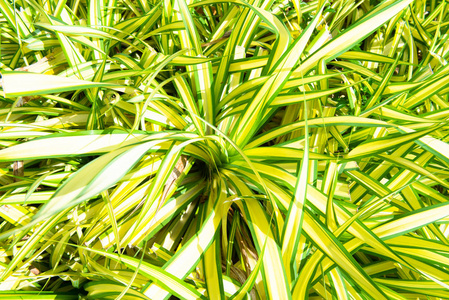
[(224, 149)]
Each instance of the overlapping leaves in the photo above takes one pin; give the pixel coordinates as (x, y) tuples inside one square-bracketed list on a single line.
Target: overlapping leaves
[(224, 149)]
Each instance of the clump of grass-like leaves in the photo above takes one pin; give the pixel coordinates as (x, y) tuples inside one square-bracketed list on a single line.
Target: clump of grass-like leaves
[(224, 149)]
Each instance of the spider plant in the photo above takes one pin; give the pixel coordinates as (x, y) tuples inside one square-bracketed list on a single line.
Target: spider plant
[(224, 149)]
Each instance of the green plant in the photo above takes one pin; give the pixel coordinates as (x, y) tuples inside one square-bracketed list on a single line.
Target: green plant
[(262, 149)]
